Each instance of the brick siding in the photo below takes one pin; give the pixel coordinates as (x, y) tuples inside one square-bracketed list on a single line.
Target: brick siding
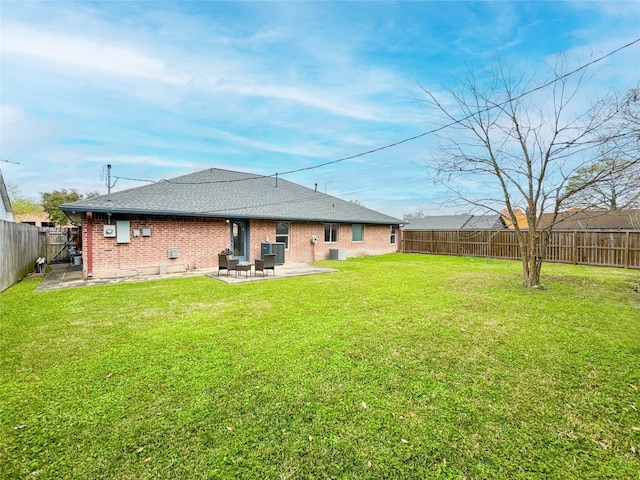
[(199, 240)]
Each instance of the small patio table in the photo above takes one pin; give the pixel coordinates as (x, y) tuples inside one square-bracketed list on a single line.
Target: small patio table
[(244, 267)]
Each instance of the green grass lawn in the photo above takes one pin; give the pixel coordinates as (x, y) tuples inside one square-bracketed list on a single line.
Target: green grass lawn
[(398, 366)]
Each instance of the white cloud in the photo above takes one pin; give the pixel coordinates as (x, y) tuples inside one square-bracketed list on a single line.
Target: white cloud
[(115, 58), (10, 114), (19, 128), (230, 66)]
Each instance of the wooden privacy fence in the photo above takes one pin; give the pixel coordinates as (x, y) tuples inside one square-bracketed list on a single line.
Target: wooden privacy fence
[(20, 246), (59, 239), (612, 248)]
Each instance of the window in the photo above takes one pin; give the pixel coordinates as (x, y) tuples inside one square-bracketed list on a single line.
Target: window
[(282, 233), (357, 232), (394, 233), (331, 232)]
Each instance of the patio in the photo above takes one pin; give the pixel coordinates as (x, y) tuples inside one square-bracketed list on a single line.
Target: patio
[(70, 276)]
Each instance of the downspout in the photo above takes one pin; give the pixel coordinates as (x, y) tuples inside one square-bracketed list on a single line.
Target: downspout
[(89, 245)]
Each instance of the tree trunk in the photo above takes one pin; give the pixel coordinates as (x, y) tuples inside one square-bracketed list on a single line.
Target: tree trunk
[(531, 261), (531, 266)]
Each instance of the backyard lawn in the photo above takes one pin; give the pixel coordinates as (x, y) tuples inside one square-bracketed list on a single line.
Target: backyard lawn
[(398, 366)]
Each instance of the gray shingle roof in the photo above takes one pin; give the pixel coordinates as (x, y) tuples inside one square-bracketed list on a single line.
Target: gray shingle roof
[(228, 194), (457, 222), (492, 221), (439, 222), (594, 220)]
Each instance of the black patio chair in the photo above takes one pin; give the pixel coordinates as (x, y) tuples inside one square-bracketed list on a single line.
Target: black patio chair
[(226, 263), (269, 263)]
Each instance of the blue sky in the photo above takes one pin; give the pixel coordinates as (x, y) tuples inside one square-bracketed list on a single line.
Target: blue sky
[(162, 89)]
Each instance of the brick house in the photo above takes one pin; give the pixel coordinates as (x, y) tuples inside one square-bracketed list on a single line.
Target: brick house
[(183, 223)]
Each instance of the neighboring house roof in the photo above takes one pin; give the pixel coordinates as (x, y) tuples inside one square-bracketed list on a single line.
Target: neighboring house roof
[(485, 222), (593, 220), (228, 194), (457, 222), (6, 210), (438, 222), (521, 218), (37, 217)]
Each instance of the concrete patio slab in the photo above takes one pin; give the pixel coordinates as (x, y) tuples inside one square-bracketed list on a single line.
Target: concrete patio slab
[(281, 271), (70, 276)]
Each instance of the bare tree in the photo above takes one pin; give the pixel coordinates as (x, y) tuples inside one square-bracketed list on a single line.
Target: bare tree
[(521, 144), (413, 215)]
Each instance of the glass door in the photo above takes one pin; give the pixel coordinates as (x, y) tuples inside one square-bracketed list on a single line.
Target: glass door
[(239, 239)]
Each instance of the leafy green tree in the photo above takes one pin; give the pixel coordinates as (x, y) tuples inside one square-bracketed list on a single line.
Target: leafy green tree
[(52, 200), (612, 182), (20, 204), (610, 185), (25, 206)]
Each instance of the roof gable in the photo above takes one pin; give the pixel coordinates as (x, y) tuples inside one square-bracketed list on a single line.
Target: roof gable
[(228, 194)]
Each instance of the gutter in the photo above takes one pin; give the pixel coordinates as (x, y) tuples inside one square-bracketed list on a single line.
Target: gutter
[(255, 216)]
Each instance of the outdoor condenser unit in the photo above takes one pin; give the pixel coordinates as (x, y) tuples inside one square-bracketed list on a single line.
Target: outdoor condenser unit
[(173, 253), (276, 248), (337, 254)]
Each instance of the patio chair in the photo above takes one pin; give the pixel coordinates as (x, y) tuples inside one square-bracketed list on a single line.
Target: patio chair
[(269, 263), (226, 263)]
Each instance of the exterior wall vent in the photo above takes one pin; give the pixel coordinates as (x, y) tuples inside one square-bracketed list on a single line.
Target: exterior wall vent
[(173, 253)]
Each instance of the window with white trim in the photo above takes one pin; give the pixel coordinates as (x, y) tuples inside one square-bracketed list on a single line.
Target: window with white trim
[(282, 233), (330, 232), (357, 232), (394, 234)]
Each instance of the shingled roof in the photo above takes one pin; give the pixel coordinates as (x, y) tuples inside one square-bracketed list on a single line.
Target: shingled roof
[(593, 220), (457, 222), (228, 194)]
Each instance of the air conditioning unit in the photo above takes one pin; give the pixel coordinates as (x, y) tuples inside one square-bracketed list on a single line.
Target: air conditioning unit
[(109, 230), (173, 253), (276, 248), (337, 254)]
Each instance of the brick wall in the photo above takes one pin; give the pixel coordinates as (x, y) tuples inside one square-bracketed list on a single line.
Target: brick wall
[(377, 240), (199, 240)]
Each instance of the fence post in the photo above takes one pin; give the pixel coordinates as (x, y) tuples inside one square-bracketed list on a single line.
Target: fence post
[(627, 238), (574, 250), (489, 244)]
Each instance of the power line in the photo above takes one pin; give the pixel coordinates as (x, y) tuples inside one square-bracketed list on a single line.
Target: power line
[(134, 179), (457, 122), (420, 135)]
